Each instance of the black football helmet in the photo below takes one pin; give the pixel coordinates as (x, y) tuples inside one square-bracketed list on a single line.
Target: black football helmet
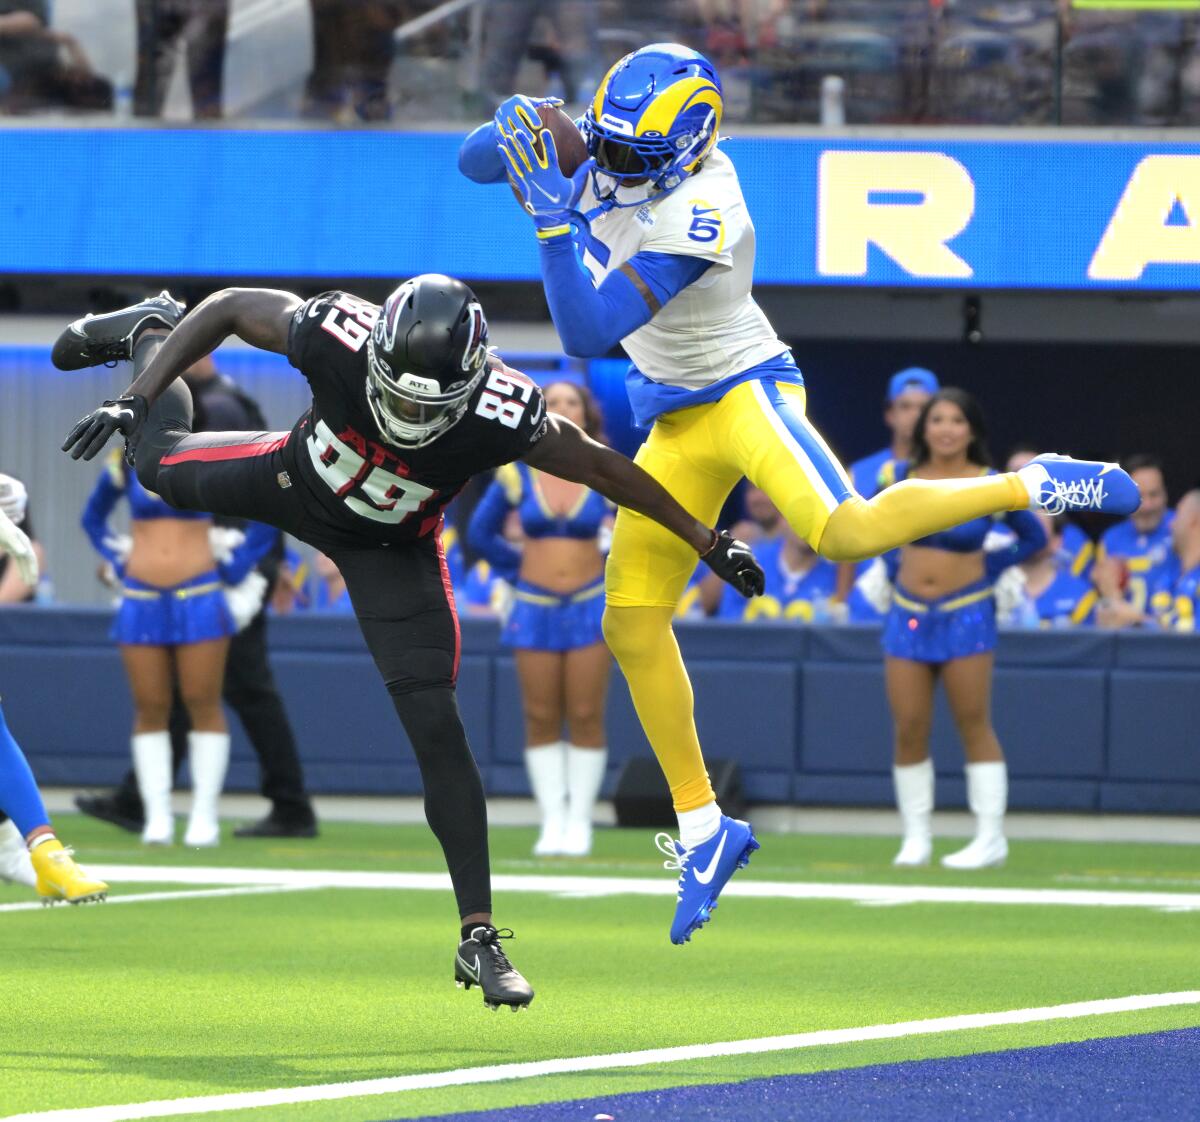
[(425, 356)]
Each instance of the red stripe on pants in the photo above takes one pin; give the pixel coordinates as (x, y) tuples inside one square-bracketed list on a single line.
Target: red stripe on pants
[(441, 552), (227, 451)]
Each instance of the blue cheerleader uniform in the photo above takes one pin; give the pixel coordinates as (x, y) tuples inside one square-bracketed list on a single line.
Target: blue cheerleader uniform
[(192, 612), (540, 619), (962, 623)]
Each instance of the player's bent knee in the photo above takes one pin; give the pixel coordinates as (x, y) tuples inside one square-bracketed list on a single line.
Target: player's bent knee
[(850, 534)]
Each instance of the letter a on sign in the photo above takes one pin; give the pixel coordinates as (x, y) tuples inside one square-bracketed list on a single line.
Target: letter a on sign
[(914, 235), (1139, 233)]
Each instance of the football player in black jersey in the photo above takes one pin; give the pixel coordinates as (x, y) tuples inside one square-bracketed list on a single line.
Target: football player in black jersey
[(408, 404)]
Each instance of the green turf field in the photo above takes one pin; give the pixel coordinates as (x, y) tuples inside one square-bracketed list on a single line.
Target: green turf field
[(118, 1004)]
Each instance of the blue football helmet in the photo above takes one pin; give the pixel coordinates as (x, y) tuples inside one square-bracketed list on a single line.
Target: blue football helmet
[(654, 118)]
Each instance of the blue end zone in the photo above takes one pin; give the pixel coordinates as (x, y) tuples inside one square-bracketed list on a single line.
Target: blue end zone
[(1156, 1075)]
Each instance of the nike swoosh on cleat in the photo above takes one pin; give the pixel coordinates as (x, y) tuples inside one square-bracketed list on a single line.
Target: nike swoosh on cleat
[(705, 875), (472, 974)]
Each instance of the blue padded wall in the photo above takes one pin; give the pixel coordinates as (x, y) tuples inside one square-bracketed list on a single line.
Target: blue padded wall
[(1089, 721)]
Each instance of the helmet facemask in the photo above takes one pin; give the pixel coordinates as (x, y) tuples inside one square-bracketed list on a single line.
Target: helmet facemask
[(413, 409), (663, 162)]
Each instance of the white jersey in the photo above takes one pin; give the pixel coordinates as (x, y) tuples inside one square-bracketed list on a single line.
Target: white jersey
[(713, 328)]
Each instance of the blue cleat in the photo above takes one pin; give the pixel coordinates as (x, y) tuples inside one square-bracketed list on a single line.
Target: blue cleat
[(704, 871), (1059, 484)]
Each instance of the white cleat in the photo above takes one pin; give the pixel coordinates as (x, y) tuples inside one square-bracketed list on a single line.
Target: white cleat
[(159, 830), (15, 865), (914, 851), (550, 840), (202, 833), (980, 854), (576, 839)]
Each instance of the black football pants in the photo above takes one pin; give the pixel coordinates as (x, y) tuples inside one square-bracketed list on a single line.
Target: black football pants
[(401, 595)]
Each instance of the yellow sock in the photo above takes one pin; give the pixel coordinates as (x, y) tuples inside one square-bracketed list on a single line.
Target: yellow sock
[(644, 645), (914, 509)]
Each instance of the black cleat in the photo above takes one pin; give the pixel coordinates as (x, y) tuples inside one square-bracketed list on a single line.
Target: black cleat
[(275, 825), (108, 809), (480, 962), (108, 338)]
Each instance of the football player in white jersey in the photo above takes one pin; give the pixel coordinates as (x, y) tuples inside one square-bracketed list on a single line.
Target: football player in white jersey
[(667, 247)]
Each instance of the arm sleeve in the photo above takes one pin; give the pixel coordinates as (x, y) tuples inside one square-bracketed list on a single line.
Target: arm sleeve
[(485, 531), (100, 504), (478, 158), (260, 539), (1030, 538), (591, 321)]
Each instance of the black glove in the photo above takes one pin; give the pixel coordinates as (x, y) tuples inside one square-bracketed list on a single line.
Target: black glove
[(91, 433), (735, 564)]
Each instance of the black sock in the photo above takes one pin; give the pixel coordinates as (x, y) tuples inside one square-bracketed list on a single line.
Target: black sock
[(467, 928)]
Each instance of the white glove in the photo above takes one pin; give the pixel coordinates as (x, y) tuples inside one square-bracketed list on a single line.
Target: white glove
[(14, 542), (14, 499), (1010, 592), (245, 599), (223, 540), (875, 587)]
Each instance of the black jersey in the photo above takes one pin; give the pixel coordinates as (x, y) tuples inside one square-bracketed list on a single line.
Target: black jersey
[(364, 485)]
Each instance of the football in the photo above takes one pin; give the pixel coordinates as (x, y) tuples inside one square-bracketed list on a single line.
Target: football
[(568, 141)]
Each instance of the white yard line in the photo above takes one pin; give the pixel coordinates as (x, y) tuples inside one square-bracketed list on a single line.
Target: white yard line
[(186, 894), (244, 1100), (577, 886)]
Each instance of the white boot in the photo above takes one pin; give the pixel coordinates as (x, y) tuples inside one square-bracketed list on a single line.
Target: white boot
[(585, 773), (208, 758), (987, 796), (914, 798), (15, 866), (547, 768), (152, 766)]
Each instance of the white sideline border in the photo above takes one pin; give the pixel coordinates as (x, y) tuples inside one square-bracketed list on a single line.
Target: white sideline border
[(185, 894), (328, 1092), (664, 886)]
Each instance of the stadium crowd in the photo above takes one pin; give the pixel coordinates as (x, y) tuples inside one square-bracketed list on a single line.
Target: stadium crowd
[(783, 61)]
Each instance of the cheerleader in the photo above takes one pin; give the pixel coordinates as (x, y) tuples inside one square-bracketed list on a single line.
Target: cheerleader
[(554, 626), (942, 625), (173, 627)]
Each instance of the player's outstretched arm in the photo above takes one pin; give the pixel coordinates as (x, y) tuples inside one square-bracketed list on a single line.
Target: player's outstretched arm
[(569, 453), (260, 316)]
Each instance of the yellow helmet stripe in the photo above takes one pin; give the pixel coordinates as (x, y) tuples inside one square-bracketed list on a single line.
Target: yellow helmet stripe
[(602, 90), (662, 111)]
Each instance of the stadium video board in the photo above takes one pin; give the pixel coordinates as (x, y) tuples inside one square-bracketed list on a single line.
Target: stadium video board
[(974, 213)]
